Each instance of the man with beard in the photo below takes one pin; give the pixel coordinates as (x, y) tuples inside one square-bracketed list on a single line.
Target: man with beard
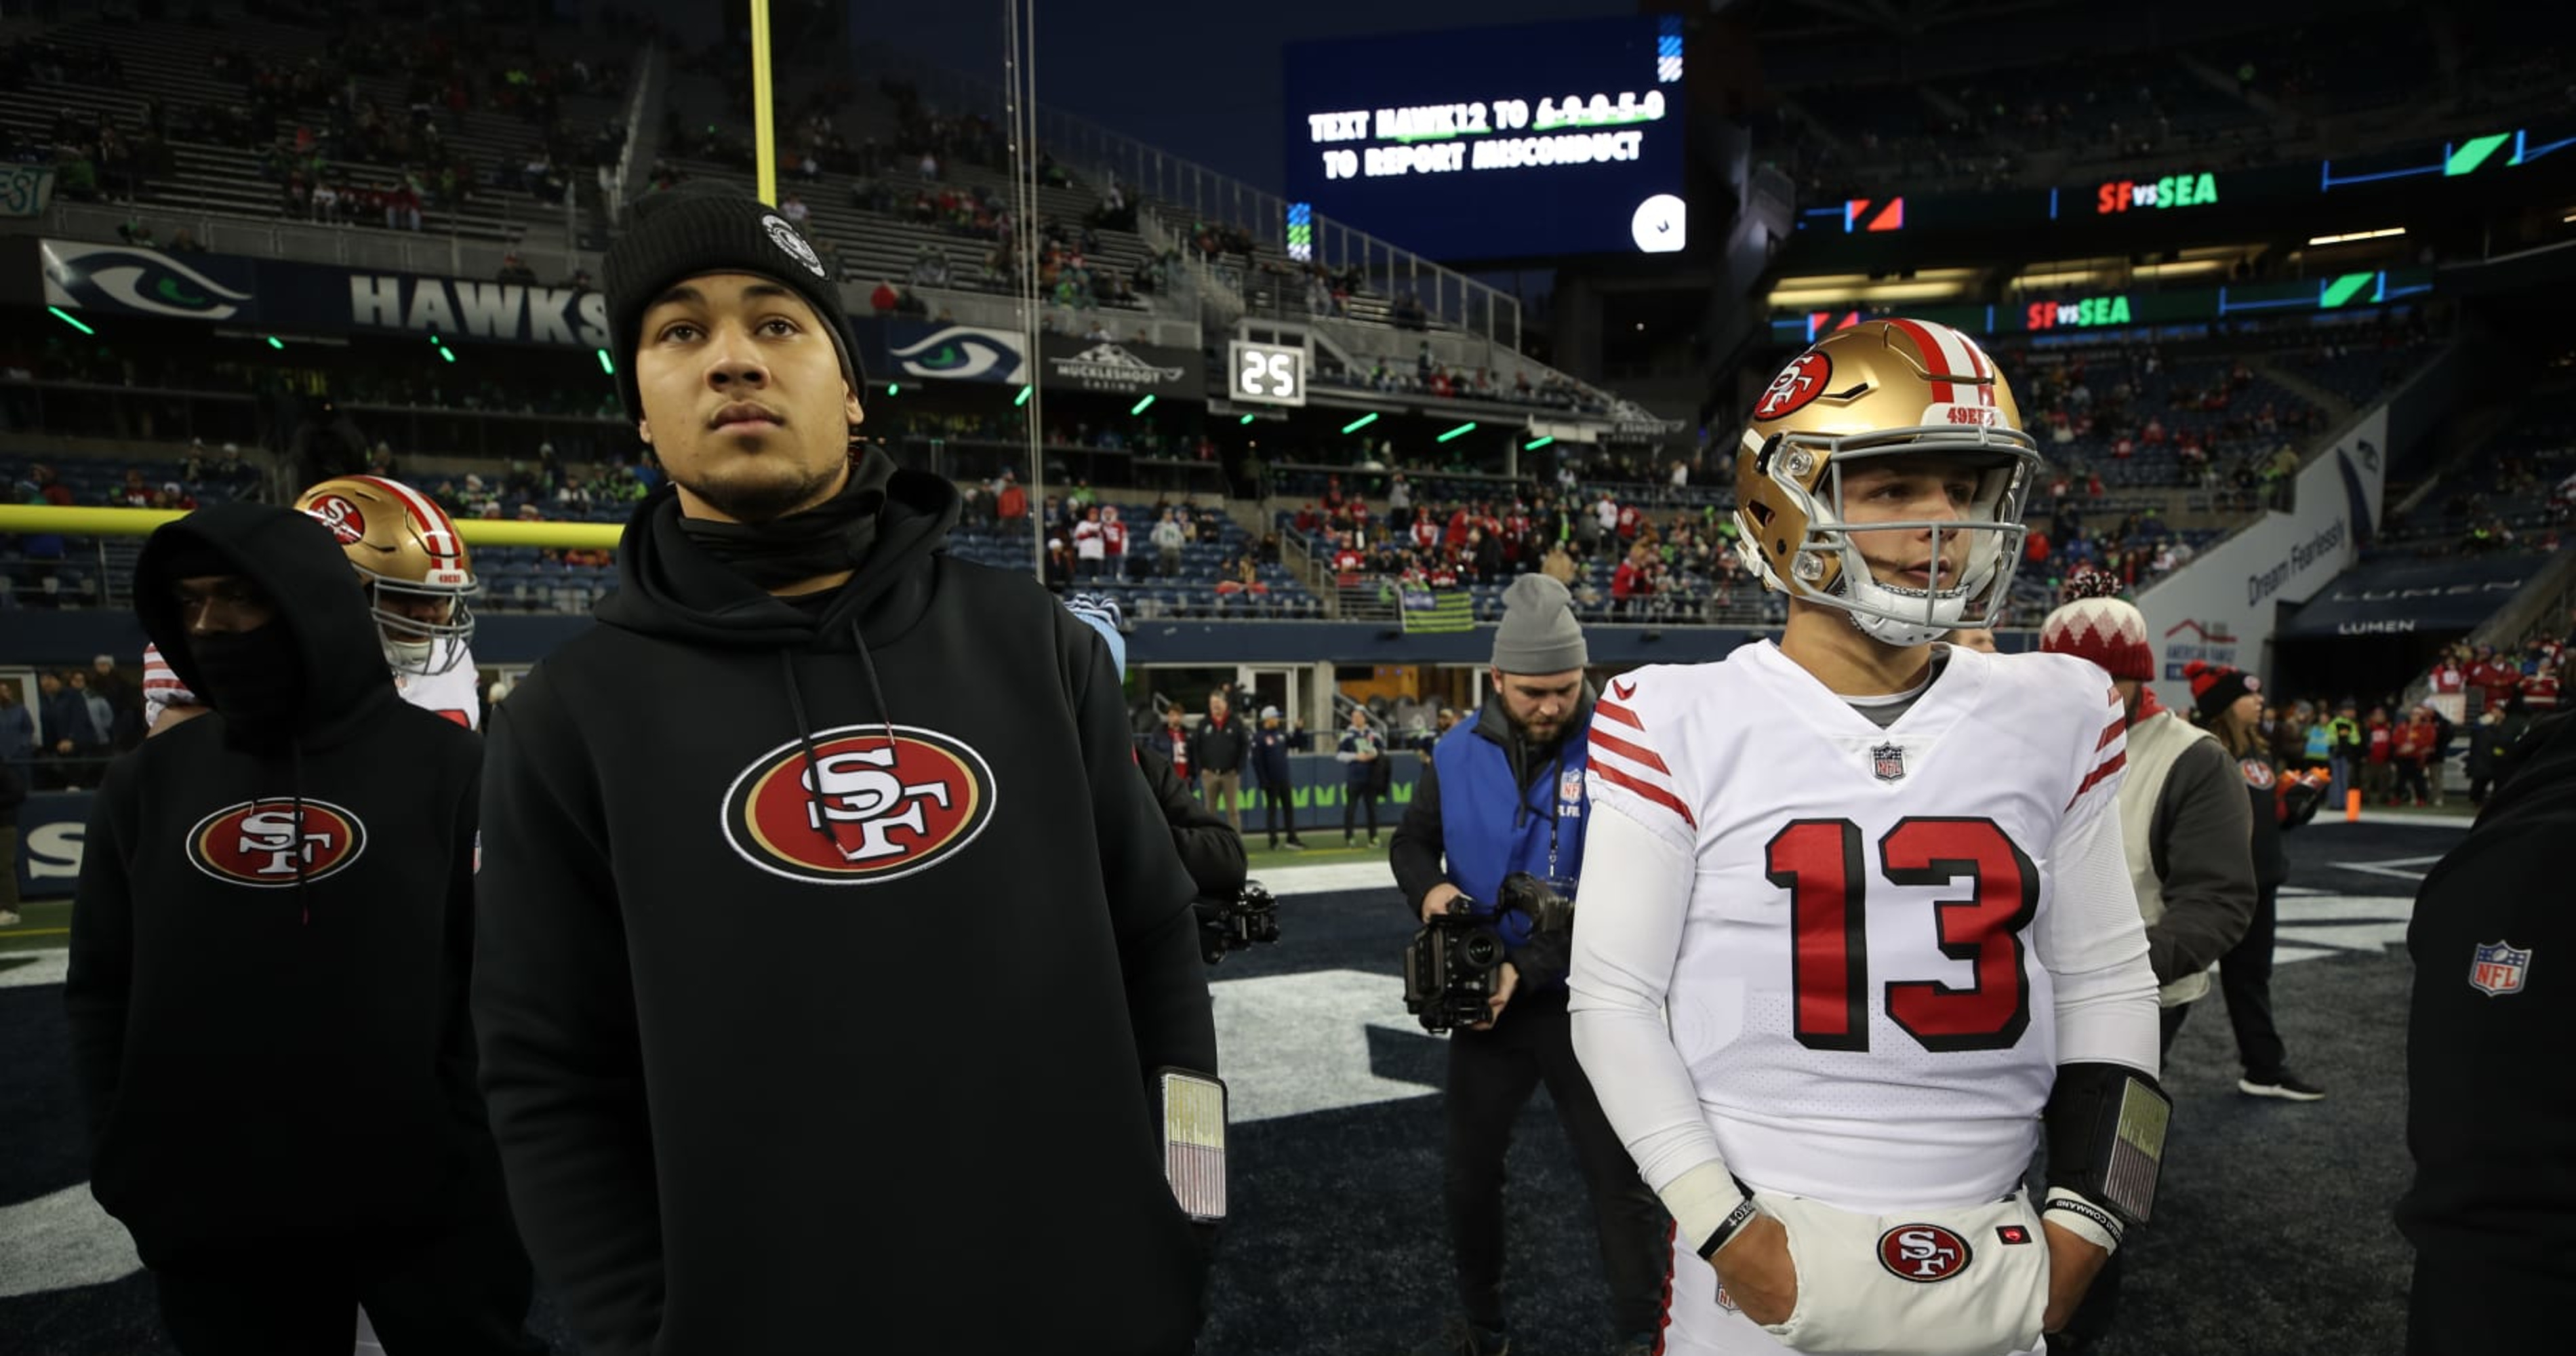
[(1503, 795)]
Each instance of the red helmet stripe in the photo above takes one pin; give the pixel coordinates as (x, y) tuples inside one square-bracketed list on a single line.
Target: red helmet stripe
[(1936, 359), (438, 532)]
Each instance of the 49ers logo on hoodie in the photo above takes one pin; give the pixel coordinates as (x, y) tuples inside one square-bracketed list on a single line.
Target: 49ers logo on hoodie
[(859, 811), (261, 843)]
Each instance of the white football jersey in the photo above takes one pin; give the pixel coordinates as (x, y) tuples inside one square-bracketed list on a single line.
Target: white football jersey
[(1858, 993), (450, 694)]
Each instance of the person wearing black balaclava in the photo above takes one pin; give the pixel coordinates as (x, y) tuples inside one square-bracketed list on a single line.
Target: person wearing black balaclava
[(267, 986), (821, 904)]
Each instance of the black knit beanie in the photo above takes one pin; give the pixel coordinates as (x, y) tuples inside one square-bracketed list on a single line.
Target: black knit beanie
[(706, 226)]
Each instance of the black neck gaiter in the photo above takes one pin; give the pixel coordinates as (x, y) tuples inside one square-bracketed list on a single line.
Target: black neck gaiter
[(255, 678), (826, 539)]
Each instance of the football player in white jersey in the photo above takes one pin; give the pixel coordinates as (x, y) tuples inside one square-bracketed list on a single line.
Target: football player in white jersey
[(420, 580), (1857, 928)]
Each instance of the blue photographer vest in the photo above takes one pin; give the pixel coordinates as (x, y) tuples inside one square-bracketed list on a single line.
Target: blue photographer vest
[(1477, 817)]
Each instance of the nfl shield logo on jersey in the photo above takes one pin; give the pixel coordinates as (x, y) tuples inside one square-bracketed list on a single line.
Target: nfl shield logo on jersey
[(2496, 969), (1888, 762)]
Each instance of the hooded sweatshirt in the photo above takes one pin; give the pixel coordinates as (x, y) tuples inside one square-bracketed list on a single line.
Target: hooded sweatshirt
[(782, 1032), (2491, 1096), (271, 1040)]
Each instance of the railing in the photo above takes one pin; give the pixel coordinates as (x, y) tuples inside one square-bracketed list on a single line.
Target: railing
[(988, 311), (643, 132), (362, 247), (1149, 175)]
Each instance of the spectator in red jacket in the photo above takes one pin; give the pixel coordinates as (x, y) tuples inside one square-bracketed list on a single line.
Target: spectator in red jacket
[(2379, 740), (1630, 584), (2498, 677), (2412, 748), (1113, 540), (2540, 690)]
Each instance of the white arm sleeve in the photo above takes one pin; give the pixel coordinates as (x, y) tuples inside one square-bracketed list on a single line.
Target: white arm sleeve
[(1627, 932), (2095, 946)]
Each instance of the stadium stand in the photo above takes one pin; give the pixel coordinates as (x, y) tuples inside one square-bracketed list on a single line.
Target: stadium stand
[(365, 123), (2518, 493), (2048, 97)]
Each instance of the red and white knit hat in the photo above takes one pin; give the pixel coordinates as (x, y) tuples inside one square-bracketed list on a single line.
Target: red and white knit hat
[(2101, 628)]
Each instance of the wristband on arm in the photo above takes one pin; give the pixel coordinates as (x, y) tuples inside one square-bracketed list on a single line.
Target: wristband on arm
[(2106, 1142)]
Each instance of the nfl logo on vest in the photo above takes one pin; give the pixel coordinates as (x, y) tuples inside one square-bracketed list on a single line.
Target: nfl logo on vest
[(2497, 969)]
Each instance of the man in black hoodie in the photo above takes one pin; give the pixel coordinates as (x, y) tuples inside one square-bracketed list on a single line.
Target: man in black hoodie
[(2491, 1105), (805, 1009), (267, 987)]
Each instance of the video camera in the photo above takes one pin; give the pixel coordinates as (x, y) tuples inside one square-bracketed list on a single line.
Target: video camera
[(1456, 960), (1231, 925)]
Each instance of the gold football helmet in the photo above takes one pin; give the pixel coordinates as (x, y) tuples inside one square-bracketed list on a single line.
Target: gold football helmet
[(1884, 389), (417, 572)]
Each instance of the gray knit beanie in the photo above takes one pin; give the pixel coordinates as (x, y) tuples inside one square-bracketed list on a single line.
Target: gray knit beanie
[(708, 226), (1539, 633)]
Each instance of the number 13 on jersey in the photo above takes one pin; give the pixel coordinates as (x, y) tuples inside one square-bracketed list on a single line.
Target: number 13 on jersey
[(1819, 862)]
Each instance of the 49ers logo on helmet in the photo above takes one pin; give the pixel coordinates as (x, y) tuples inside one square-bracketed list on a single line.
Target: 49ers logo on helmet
[(1922, 1252), (1801, 381), (347, 524), (860, 811), (263, 843)]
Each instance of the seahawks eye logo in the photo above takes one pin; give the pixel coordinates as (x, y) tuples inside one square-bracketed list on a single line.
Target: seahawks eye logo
[(963, 353), (116, 277)]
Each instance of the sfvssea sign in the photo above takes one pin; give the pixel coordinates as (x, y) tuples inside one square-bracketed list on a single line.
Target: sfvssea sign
[(2173, 190)]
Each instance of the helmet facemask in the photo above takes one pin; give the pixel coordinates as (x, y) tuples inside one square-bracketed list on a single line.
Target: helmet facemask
[(1827, 566), (413, 645)]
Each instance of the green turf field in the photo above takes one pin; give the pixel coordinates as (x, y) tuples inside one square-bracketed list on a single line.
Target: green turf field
[(41, 926), (1322, 849)]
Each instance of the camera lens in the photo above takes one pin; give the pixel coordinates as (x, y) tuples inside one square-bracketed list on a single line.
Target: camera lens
[(1482, 950)]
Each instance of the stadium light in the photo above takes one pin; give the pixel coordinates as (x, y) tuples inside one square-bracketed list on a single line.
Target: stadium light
[(1023, 397), (1247, 419), (448, 353), (1360, 423), (66, 317), (892, 387), (1143, 405), (1467, 427), (276, 343), (606, 363), (1536, 444), (2350, 236)]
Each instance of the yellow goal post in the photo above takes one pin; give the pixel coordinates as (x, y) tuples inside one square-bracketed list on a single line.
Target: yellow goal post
[(20, 519)]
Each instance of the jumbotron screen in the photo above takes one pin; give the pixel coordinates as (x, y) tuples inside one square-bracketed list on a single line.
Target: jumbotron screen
[(1495, 143)]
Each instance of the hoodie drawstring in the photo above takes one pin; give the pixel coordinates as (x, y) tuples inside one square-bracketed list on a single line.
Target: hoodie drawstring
[(814, 797), (303, 888)]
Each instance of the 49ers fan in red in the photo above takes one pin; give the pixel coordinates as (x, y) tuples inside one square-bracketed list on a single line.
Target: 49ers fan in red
[(420, 581)]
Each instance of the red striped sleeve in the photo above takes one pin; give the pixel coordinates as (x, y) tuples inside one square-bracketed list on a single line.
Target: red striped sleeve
[(1604, 740), (2101, 770), (1624, 762), (1645, 789), (1610, 710)]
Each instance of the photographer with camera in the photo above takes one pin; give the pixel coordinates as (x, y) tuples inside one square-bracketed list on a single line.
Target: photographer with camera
[(1503, 797)]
